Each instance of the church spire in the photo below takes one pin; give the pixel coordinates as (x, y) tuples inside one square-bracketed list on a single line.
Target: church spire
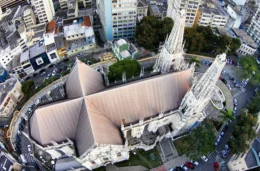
[(201, 92), (171, 55)]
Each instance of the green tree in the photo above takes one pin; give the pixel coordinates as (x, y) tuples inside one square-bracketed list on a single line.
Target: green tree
[(254, 106), (194, 59), (250, 69), (227, 115), (130, 67), (151, 31), (28, 87), (244, 131), (201, 140)]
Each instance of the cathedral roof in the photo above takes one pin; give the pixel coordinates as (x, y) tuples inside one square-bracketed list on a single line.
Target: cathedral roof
[(94, 114)]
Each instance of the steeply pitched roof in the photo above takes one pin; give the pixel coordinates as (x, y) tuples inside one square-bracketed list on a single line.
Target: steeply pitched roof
[(83, 81), (142, 3), (97, 117)]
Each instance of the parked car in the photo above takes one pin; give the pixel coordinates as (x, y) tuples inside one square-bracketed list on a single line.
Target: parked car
[(216, 166), (194, 162), (178, 168), (235, 102), (225, 128), (224, 81), (189, 165), (43, 73), (224, 72), (204, 158), (229, 87), (224, 154), (184, 167)]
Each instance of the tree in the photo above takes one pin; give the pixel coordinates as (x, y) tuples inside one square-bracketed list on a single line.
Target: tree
[(151, 31), (250, 69), (244, 131), (196, 60), (201, 140), (28, 87), (227, 115), (130, 67), (254, 106)]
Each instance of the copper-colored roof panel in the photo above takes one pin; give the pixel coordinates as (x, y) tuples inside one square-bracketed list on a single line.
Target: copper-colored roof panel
[(144, 98), (86, 21)]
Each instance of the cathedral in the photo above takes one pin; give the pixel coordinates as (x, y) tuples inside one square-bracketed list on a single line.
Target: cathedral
[(97, 125)]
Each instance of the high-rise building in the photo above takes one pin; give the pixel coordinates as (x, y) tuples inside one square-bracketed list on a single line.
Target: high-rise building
[(191, 8), (254, 27), (44, 10), (28, 17), (11, 3), (118, 18)]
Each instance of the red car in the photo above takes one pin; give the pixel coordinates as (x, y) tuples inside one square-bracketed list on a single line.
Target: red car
[(189, 165), (216, 166)]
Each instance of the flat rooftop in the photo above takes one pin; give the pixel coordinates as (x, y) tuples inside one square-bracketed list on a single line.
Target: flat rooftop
[(5, 87), (36, 50), (245, 38), (205, 9)]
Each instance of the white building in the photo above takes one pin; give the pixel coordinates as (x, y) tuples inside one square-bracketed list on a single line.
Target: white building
[(211, 16), (73, 9), (28, 17), (254, 27), (142, 9), (79, 35), (49, 42), (10, 94), (44, 10), (248, 45), (81, 3), (236, 18), (118, 18), (191, 7)]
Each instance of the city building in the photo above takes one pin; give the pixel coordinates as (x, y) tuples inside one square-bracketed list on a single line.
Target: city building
[(248, 45), (49, 42), (4, 4), (23, 67), (60, 45), (10, 93), (191, 7), (118, 18), (28, 17), (235, 17), (122, 50), (38, 57), (80, 3), (11, 46), (44, 10), (158, 8), (254, 27), (79, 35), (73, 9), (142, 9), (35, 33), (7, 162), (211, 16)]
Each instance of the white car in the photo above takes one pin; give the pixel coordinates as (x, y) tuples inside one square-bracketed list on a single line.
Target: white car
[(204, 158), (229, 87), (224, 72), (194, 162), (184, 167)]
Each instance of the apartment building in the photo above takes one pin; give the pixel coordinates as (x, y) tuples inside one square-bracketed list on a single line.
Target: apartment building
[(81, 3), (10, 94), (44, 10), (254, 27), (248, 45), (211, 16), (191, 7), (142, 9), (118, 18), (28, 17), (4, 4), (79, 35)]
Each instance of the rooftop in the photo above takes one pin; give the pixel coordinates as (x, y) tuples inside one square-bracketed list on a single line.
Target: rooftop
[(142, 3), (71, 45), (91, 110), (84, 20), (125, 54), (121, 42), (5, 87), (36, 50), (13, 39), (24, 56), (50, 27), (59, 42), (245, 38), (205, 9)]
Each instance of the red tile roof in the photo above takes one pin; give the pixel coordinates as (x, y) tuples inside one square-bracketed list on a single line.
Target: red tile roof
[(50, 27), (86, 21)]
